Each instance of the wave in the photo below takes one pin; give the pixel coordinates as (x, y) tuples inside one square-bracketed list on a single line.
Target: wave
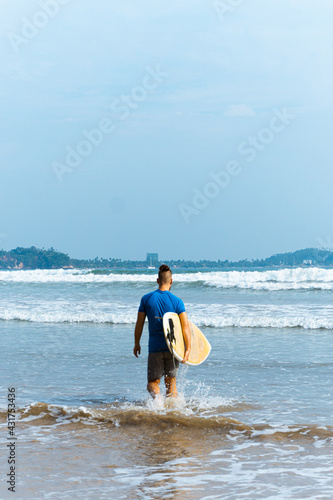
[(242, 322), (267, 322), (273, 280), (282, 279), (36, 316), (158, 416), (73, 276), (203, 315)]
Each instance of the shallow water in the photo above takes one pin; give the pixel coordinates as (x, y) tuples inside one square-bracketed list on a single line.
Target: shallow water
[(254, 421)]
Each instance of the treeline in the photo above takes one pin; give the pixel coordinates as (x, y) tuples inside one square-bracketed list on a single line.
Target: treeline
[(306, 257), (35, 258)]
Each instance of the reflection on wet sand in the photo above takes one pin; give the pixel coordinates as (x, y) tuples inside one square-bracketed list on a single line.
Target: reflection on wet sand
[(161, 456)]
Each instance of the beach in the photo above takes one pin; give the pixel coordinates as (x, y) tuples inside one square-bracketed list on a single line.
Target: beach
[(253, 421)]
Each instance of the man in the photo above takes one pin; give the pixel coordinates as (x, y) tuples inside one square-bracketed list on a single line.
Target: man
[(160, 361)]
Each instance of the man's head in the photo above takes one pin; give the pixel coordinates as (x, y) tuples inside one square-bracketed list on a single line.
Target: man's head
[(164, 276)]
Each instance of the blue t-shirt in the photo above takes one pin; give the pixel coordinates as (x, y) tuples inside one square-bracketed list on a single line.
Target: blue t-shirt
[(154, 304)]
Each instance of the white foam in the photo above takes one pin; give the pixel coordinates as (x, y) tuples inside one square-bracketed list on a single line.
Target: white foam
[(40, 310), (71, 276), (281, 279), (308, 323), (156, 404), (203, 315), (262, 316), (38, 316)]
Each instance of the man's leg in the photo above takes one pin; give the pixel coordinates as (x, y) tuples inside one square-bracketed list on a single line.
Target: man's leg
[(171, 366), (153, 387), (171, 387), (155, 372)]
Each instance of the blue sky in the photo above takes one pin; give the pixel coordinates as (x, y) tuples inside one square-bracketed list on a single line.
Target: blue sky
[(182, 92)]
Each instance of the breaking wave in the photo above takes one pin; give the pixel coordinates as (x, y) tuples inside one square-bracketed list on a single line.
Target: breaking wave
[(281, 279), (203, 315), (152, 416)]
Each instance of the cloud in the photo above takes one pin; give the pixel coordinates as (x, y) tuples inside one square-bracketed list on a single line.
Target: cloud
[(239, 110)]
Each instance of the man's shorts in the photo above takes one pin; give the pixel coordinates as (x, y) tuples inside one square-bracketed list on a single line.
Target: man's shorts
[(162, 363)]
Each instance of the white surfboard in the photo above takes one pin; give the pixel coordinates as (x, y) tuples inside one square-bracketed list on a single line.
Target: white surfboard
[(200, 347)]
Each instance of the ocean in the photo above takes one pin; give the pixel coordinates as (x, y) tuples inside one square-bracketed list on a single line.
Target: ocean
[(254, 421)]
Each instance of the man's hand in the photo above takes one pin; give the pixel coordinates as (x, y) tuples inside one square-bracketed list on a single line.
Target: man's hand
[(186, 355), (186, 334), (137, 350), (138, 332)]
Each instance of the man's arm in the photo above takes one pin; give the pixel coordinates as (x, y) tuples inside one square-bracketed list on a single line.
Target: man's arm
[(138, 332), (186, 335)]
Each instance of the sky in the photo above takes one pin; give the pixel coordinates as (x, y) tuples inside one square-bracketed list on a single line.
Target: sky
[(198, 129)]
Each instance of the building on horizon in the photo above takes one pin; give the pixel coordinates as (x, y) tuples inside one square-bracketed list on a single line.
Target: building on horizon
[(152, 259)]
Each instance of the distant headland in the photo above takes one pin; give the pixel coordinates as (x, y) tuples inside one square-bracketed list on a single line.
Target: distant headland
[(35, 258)]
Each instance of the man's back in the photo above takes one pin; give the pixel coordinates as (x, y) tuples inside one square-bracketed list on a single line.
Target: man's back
[(155, 304)]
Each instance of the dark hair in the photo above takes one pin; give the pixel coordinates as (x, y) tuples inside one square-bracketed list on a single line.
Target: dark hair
[(164, 273)]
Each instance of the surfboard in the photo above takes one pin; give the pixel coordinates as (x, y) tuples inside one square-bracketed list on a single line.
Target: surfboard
[(200, 347)]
